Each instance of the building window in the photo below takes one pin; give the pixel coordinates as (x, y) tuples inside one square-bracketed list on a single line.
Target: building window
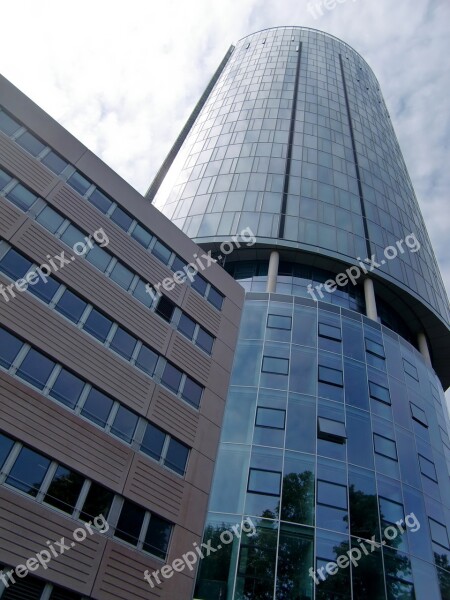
[(176, 457), (277, 366), (100, 201), (331, 430), (35, 368), (264, 482), (427, 468), (273, 418), (130, 522), (162, 252), (124, 424), (332, 494), (215, 298), (121, 218), (438, 533), (97, 407), (28, 471), (121, 275), (7, 124), (331, 376), (157, 538), (379, 392), (64, 489), (410, 369), (67, 388), (50, 219), (30, 143), (192, 392), (153, 441), (330, 331), (142, 235), (71, 306), (98, 502), (79, 183), (418, 414), (146, 360), (123, 343), (165, 308), (9, 348), (187, 326), (279, 322), (21, 197), (14, 264), (6, 444), (385, 446), (171, 378), (98, 325), (54, 162), (374, 348)]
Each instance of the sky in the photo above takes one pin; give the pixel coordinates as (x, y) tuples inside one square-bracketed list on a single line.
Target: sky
[(124, 76)]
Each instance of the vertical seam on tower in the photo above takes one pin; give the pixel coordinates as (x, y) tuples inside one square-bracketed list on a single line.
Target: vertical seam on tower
[(355, 159), (287, 171)]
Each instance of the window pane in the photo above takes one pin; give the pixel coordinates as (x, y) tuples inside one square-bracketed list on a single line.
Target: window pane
[(71, 306), (28, 471), (199, 284), (141, 294), (427, 468), (122, 276), (332, 494), (79, 183), (162, 252), (130, 522), (270, 417), (21, 197), (215, 298), (124, 424), (44, 290), (36, 368), (178, 264), (385, 446), (186, 326), (192, 392), (54, 162), (6, 444), (9, 348), (204, 340), (123, 343), (30, 143), (8, 125), (67, 388), (72, 235), (14, 264), (418, 414), (121, 218), (279, 322), (97, 407), (410, 369), (4, 178), (374, 348), (153, 441), (165, 308), (332, 376), (98, 502), (171, 377), (146, 360), (271, 364), (329, 429), (50, 219), (379, 392), (157, 537), (438, 533), (100, 200), (141, 235), (264, 482), (177, 455), (329, 331), (99, 258), (98, 325), (64, 489)]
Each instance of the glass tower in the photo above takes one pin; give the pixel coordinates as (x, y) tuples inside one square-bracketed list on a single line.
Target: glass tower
[(335, 436)]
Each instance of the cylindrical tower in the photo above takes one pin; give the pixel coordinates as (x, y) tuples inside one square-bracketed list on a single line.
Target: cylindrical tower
[(335, 435)]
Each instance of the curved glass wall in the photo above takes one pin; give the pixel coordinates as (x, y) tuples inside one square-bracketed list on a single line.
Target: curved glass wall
[(334, 440), (295, 142)]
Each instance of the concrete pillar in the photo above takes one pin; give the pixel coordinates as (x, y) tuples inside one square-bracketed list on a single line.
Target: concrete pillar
[(272, 275), (369, 295), (423, 347)]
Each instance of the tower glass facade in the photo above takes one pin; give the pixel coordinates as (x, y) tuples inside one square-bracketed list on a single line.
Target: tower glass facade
[(335, 437)]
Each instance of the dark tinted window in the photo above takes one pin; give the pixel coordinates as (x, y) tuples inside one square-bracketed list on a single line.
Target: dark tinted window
[(147, 360), (192, 392), (165, 308), (98, 325), (264, 482), (410, 369), (171, 377), (30, 143), (64, 489), (4, 179), (162, 252), (438, 533), (54, 162), (418, 414), (8, 125), (35, 368), (374, 348), (271, 364), (121, 218), (100, 200), (50, 219), (9, 348), (177, 455), (153, 441), (385, 446), (178, 264), (97, 407), (124, 424), (98, 502), (270, 417), (44, 290), (204, 340), (199, 284), (99, 258), (333, 376), (141, 294), (67, 388), (14, 264), (427, 468), (6, 444), (21, 197), (186, 326), (28, 471), (379, 392), (279, 322), (332, 494), (130, 522), (329, 331), (123, 343), (330, 429), (121, 275), (79, 183), (215, 298), (141, 235), (71, 306), (157, 537)]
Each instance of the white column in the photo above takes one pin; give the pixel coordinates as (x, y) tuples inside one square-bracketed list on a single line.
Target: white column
[(423, 347), (371, 305), (272, 275)]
